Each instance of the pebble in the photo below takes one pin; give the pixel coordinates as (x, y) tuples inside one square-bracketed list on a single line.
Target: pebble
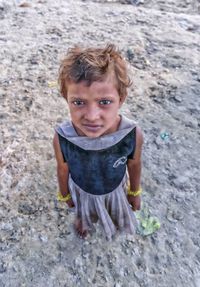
[(196, 242), (164, 136), (174, 215), (2, 267), (130, 54), (180, 181), (62, 245), (5, 246), (198, 255), (192, 123), (139, 275), (43, 238), (26, 208), (7, 226), (135, 2), (157, 99), (4, 115), (176, 99)]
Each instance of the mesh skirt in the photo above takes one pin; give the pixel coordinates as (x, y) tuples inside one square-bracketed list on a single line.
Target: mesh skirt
[(112, 209)]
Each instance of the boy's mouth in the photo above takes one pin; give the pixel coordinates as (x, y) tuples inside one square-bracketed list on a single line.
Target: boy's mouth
[(92, 128)]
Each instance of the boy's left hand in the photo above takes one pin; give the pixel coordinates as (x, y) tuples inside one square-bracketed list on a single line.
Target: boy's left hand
[(70, 203), (135, 201)]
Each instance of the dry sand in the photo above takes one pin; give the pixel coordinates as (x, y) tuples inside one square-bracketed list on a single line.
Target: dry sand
[(161, 40)]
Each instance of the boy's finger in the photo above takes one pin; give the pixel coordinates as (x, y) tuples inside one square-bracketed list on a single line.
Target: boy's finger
[(133, 207), (70, 203)]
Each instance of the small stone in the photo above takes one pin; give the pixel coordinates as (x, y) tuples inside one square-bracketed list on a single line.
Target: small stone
[(4, 115), (2, 267), (192, 123), (130, 54), (174, 215), (24, 5), (197, 243), (177, 99), (198, 255), (126, 272), (180, 181), (7, 226), (164, 136), (26, 208), (135, 2), (139, 275), (89, 280), (43, 238)]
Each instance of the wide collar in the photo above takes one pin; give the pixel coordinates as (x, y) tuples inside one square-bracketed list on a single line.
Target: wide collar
[(67, 131)]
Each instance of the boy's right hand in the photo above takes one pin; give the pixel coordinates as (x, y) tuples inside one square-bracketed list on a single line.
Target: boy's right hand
[(135, 202)]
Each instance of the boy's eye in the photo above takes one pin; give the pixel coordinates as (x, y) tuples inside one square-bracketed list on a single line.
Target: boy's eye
[(105, 102), (78, 103)]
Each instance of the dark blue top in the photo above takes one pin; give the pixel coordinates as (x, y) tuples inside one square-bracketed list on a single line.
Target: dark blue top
[(98, 171)]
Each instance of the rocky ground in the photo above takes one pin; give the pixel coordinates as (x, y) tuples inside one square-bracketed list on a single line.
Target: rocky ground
[(161, 41)]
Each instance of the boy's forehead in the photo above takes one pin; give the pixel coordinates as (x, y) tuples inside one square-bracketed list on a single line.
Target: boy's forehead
[(105, 86)]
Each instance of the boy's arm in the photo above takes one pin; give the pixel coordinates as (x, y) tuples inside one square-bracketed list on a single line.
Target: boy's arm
[(62, 170), (134, 170)]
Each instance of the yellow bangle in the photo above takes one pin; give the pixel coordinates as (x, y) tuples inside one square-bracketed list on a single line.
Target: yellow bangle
[(134, 193), (60, 197)]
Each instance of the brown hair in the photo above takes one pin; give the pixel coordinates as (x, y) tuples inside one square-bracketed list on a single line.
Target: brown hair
[(93, 64)]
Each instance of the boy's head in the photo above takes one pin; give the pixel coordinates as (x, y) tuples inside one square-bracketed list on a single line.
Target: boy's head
[(94, 65)]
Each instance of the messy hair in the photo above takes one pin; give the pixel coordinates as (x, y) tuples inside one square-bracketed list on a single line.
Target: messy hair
[(93, 64)]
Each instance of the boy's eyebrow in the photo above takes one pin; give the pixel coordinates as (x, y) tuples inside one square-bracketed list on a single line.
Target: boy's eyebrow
[(76, 98)]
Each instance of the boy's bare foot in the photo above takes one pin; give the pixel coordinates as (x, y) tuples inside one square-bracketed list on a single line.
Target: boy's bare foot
[(79, 228)]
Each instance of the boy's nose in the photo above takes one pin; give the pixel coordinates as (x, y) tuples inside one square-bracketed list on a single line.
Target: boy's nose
[(92, 114)]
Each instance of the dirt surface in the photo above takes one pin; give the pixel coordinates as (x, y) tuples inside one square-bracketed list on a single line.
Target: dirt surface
[(161, 41)]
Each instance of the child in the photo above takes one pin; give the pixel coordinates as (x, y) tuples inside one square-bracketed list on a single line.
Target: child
[(99, 150)]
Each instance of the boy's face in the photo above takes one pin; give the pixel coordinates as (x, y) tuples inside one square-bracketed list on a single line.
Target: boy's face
[(94, 108)]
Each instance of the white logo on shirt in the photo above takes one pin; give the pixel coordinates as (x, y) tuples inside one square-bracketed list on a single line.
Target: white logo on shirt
[(121, 160)]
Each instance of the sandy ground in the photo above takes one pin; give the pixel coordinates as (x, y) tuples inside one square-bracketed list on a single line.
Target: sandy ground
[(161, 40)]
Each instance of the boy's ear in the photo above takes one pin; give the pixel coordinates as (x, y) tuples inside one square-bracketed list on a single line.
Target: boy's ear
[(122, 100), (65, 97)]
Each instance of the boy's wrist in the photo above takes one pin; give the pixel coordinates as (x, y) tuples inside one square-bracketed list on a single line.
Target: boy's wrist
[(61, 197), (134, 193)]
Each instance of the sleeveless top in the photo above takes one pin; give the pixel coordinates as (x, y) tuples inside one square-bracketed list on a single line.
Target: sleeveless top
[(98, 165)]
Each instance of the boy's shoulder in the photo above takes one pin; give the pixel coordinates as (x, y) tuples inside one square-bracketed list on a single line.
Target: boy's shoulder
[(129, 124), (126, 123), (65, 128)]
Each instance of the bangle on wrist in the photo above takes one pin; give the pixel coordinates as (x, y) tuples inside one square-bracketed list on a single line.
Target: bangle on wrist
[(134, 193), (60, 197)]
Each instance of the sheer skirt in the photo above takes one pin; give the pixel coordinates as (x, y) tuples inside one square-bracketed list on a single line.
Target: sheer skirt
[(112, 209)]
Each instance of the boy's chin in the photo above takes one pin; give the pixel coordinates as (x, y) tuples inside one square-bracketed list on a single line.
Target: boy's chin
[(93, 135), (97, 135)]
